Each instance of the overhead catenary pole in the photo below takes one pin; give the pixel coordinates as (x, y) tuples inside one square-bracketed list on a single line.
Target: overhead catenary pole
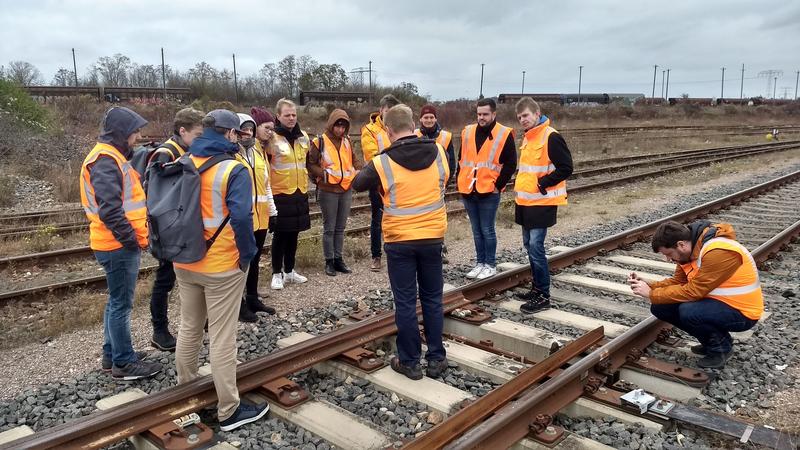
[(666, 92), (655, 70), (663, 76), (523, 82), (481, 93), (370, 82), (796, 82), (722, 86), (580, 78), (235, 84), (163, 74), (75, 70), (774, 87), (741, 86)]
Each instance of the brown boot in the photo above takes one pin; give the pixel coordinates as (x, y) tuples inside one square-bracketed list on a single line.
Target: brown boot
[(376, 264)]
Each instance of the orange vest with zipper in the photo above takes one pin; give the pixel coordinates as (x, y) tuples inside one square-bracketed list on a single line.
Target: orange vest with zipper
[(413, 200), (288, 171), (443, 138), (534, 163), (223, 256), (742, 290), (133, 201), (337, 163), (479, 168)]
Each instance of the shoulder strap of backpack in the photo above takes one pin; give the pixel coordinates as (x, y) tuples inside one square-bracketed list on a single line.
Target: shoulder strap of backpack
[(211, 162), (174, 150)]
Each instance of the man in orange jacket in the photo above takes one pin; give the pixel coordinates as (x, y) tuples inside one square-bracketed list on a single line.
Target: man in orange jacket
[(715, 289)]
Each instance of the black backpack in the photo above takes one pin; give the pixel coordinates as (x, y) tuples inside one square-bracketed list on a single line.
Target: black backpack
[(143, 154), (174, 214)]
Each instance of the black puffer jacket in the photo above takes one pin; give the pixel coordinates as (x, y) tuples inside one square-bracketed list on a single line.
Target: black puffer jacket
[(293, 213)]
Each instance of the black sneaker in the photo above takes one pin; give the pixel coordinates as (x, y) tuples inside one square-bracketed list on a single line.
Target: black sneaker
[(106, 364), (163, 340), (713, 360), (245, 315), (256, 305), (135, 370), (340, 266), (528, 296), (330, 270), (415, 372), (538, 303), (245, 413), (436, 368), (698, 349)]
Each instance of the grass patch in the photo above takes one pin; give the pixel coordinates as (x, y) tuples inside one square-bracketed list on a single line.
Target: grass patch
[(7, 191), (21, 106), (41, 240)]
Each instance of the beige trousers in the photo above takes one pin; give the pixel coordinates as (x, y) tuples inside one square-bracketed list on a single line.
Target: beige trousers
[(216, 296)]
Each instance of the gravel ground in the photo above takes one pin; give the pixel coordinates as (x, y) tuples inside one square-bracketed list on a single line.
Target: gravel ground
[(72, 397)]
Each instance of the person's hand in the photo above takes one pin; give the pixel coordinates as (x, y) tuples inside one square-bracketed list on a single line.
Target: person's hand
[(542, 190), (640, 288)]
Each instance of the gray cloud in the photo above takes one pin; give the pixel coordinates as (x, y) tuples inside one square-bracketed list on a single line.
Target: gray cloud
[(437, 45)]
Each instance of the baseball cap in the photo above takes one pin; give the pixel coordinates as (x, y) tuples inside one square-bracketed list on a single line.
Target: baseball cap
[(225, 119)]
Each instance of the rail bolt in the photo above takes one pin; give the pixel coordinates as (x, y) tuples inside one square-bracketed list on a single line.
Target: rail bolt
[(192, 439)]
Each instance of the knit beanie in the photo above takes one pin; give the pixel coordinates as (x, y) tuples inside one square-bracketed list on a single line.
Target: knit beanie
[(427, 109), (261, 115)]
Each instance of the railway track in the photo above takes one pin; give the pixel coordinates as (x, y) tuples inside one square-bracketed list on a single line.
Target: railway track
[(25, 224), (32, 290), (582, 357)]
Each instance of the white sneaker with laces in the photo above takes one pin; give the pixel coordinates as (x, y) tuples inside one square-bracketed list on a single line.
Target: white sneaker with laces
[(475, 271), (294, 277), (277, 281), (487, 272)]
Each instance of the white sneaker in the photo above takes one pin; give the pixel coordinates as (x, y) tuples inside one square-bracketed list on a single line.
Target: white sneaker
[(488, 271), (294, 277), (475, 271), (277, 281)]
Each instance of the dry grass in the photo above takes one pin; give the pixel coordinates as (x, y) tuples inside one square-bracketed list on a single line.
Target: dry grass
[(310, 256), (7, 191)]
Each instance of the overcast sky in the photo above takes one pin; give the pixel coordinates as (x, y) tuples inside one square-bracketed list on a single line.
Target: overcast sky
[(437, 45)]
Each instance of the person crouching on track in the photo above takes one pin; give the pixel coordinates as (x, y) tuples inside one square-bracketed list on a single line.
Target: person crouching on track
[(264, 212), (488, 160), (411, 176), (289, 177), (545, 163), (331, 163), (715, 288), (187, 126), (212, 287), (113, 199)]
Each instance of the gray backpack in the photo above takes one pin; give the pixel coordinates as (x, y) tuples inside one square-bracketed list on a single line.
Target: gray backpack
[(173, 210)]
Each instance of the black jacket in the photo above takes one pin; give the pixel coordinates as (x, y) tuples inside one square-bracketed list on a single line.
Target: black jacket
[(106, 178), (545, 216), (433, 133), (293, 212), (411, 152), (508, 157)]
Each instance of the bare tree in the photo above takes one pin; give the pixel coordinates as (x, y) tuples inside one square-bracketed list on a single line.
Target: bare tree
[(287, 74), (64, 77), (145, 75), (113, 70), (24, 73)]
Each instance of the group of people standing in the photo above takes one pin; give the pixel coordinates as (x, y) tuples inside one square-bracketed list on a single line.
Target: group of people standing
[(259, 181)]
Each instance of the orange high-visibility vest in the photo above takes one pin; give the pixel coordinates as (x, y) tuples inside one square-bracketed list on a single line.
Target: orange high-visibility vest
[(259, 174), (742, 290), (288, 171), (534, 163), (223, 256), (442, 139), (374, 139), (479, 169), (413, 200), (133, 201), (337, 162)]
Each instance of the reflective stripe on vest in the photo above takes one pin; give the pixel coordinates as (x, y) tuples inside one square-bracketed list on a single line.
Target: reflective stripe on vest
[(217, 198), (392, 208), (442, 139), (288, 171), (133, 200), (742, 290), (258, 168), (479, 173), (534, 163), (339, 168)]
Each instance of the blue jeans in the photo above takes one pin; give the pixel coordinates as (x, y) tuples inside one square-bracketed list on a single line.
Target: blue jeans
[(122, 269), (708, 320), (376, 204), (410, 265), (482, 212), (533, 241)]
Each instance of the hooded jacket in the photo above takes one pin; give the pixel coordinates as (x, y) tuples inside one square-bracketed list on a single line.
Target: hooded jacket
[(369, 137), (239, 197), (314, 160), (106, 178), (718, 266)]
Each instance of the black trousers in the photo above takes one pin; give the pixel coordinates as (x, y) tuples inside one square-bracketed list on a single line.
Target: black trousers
[(159, 299), (251, 286), (284, 249)]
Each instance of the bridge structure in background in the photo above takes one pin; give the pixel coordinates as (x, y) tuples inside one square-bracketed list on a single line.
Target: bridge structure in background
[(108, 93)]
